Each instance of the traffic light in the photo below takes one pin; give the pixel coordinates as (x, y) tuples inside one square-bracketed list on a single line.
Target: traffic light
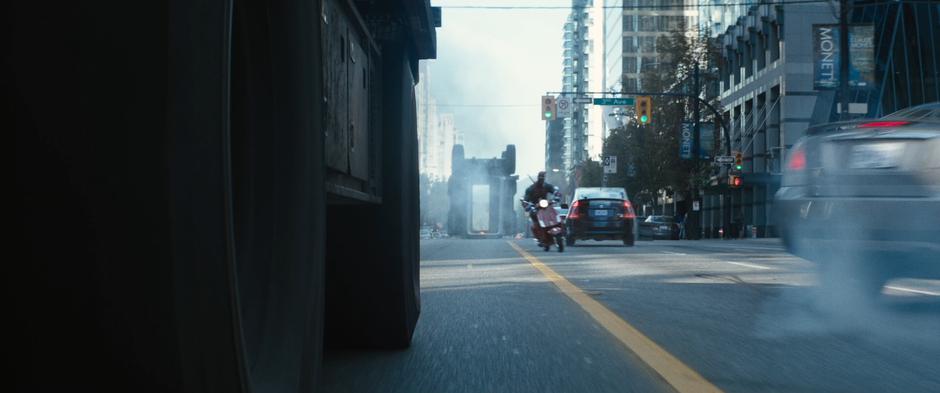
[(735, 181), (644, 109), (549, 109), (738, 161)]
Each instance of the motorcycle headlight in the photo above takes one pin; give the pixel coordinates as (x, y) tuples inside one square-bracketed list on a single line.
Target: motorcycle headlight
[(543, 203)]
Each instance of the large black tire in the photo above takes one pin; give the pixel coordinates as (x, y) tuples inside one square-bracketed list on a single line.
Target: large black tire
[(185, 252), (849, 284), (628, 240), (560, 242)]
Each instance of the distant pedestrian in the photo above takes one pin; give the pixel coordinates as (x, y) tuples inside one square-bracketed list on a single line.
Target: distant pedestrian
[(682, 224)]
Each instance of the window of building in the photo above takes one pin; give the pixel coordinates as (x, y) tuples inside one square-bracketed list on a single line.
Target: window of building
[(647, 44), (629, 45), (630, 84), (628, 24), (751, 51), (647, 23), (761, 51), (775, 42), (629, 64)]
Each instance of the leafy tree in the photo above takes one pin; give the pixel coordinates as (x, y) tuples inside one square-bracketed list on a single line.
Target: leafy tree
[(649, 155), (588, 174)]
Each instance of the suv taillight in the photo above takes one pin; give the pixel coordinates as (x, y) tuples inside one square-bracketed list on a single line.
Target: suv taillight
[(573, 211), (884, 124), (797, 161), (628, 210)]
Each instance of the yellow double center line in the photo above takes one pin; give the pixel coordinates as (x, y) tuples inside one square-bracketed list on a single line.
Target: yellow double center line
[(682, 378)]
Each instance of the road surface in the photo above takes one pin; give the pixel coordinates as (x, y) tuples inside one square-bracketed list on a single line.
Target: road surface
[(501, 315)]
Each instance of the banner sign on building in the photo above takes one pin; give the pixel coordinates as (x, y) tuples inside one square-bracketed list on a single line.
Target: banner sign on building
[(706, 140), (861, 56), (825, 56), (685, 140), (826, 61)]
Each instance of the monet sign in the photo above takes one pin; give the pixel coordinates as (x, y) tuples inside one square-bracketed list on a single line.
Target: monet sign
[(827, 63)]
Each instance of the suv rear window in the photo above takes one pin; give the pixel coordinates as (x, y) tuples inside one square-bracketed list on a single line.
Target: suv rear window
[(601, 195)]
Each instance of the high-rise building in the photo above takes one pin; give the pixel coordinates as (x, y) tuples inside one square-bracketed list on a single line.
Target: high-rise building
[(631, 30), (574, 81), (437, 132), (715, 16), (773, 86), (644, 23)]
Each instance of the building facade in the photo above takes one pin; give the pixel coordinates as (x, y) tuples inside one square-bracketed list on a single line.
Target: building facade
[(632, 29), (770, 95), (768, 100)]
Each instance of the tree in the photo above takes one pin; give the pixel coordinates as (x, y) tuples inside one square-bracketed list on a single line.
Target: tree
[(650, 154), (588, 174)]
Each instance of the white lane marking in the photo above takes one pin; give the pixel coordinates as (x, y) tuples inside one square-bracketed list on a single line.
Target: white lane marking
[(739, 247), (748, 265), (674, 253), (917, 291)]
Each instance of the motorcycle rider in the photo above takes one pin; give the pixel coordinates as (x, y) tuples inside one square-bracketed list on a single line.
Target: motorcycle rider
[(538, 191)]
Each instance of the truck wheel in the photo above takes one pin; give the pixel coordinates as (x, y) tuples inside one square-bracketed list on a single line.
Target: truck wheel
[(850, 280), (278, 211), (628, 240)]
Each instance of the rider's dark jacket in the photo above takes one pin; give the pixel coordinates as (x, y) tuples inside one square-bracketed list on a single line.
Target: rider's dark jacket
[(534, 193)]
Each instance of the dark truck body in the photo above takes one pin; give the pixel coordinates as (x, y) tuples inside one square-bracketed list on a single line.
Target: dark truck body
[(201, 190)]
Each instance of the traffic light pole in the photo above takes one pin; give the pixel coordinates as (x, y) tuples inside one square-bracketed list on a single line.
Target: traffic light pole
[(843, 59), (721, 120), (692, 231)]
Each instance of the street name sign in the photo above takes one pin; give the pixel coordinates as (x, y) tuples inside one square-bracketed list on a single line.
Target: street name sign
[(623, 101), (724, 159)]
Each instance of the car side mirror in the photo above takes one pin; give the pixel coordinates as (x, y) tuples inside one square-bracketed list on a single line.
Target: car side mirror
[(564, 205)]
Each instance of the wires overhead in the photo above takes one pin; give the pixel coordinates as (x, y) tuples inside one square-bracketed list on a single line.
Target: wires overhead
[(631, 7), (485, 105)]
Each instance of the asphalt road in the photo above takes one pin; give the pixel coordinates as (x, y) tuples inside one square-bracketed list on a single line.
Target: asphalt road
[(743, 316)]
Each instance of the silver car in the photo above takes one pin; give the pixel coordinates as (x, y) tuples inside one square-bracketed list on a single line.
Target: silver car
[(863, 199)]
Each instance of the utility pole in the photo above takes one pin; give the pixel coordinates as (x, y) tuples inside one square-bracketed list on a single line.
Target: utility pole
[(844, 59), (692, 231)]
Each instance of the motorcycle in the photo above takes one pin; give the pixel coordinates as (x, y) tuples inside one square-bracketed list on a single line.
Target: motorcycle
[(550, 223)]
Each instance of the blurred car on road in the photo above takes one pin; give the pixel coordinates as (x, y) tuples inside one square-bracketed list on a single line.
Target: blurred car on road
[(426, 233), (601, 213), (862, 199), (659, 227)]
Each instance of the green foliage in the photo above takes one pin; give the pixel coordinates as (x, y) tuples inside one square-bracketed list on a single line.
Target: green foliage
[(652, 151), (588, 174)]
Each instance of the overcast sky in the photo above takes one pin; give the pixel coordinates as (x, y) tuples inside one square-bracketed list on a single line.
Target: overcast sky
[(499, 57)]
